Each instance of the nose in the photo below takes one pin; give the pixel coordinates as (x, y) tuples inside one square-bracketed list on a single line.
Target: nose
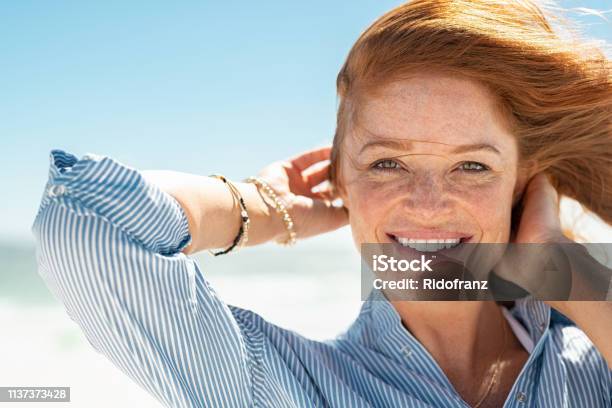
[(428, 197)]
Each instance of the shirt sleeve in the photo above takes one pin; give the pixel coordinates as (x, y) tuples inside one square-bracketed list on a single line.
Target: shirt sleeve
[(108, 246)]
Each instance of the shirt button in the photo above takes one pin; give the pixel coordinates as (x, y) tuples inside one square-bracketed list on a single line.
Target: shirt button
[(57, 190), (521, 397), (406, 351)]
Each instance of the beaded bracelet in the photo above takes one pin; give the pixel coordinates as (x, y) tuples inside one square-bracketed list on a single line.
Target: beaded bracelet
[(280, 208), (243, 234)]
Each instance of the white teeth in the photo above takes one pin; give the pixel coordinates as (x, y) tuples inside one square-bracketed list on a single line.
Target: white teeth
[(428, 245)]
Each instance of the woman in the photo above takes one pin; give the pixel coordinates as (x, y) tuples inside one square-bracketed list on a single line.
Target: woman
[(454, 116)]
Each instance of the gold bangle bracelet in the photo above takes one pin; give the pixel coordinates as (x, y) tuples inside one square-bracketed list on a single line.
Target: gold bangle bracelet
[(279, 206), (243, 234)]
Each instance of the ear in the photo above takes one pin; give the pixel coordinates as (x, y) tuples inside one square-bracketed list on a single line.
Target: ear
[(524, 174), (340, 192), (338, 188)]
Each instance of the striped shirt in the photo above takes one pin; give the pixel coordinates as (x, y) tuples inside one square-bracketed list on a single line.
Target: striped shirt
[(109, 247)]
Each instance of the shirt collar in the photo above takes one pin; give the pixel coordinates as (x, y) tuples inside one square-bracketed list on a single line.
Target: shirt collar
[(535, 315), (379, 327)]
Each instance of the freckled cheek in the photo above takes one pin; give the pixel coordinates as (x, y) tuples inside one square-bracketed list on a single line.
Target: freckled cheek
[(490, 206), (368, 205), (370, 198)]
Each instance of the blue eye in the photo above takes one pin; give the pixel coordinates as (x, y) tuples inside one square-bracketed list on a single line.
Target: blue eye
[(386, 165), (473, 167)]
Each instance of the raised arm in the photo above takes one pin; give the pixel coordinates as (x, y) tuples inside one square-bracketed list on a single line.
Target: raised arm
[(110, 246), (213, 213)]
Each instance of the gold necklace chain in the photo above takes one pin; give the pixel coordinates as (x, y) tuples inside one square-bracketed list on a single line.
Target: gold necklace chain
[(496, 372)]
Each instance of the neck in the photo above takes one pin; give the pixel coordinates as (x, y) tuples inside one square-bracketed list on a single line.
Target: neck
[(460, 336)]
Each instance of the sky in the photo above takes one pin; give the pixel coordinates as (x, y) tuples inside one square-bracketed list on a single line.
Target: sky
[(195, 86)]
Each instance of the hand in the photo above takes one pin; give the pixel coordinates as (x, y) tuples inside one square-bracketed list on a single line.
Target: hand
[(539, 222), (293, 181), (539, 225)]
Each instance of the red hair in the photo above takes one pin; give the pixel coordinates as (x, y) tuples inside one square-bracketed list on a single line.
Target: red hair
[(556, 93)]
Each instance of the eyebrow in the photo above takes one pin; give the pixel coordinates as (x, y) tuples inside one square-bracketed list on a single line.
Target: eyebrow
[(407, 145)]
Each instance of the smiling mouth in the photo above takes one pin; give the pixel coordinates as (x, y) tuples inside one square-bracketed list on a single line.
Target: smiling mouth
[(429, 244)]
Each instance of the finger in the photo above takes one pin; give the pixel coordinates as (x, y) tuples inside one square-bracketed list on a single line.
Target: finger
[(316, 174), (324, 191), (307, 159), (552, 191), (321, 192), (541, 182), (541, 192), (325, 194)]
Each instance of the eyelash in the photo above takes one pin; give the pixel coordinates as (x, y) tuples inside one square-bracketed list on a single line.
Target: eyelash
[(377, 167)]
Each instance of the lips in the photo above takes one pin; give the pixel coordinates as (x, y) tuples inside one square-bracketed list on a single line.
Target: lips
[(429, 234)]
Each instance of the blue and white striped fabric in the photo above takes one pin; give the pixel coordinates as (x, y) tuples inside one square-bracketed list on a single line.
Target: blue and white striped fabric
[(108, 246)]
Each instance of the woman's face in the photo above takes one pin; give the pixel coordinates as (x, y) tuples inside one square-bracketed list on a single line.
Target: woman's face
[(428, 158)]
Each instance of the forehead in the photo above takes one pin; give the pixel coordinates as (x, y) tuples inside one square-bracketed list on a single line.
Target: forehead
[(437, 108)]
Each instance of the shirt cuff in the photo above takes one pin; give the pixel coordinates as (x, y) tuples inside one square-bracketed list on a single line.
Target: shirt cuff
[(123, 196)]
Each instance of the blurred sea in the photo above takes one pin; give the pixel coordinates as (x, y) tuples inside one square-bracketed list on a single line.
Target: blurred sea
[(312, 288)]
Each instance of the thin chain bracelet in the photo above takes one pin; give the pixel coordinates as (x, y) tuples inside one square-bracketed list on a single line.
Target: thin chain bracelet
[(280, 208), (243, 234)]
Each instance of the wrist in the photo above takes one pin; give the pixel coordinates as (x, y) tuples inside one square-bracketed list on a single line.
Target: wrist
[(280, 205), (266, 224)]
